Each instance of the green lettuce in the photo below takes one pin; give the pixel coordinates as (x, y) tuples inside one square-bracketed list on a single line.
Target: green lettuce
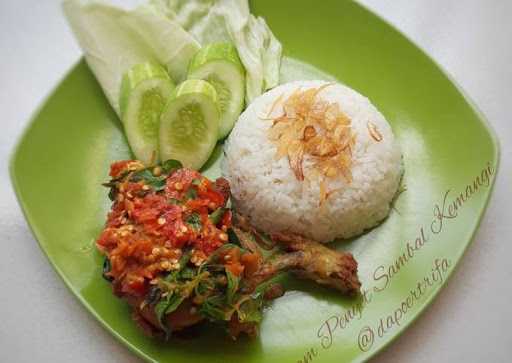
[(170, 32), (114, 40), (211, 21)]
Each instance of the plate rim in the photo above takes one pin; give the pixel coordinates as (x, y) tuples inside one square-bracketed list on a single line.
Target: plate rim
[(29, 221), (482, 119), (496, 156)]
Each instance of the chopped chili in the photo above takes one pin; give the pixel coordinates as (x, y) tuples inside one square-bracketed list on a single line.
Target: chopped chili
[(148, 229)]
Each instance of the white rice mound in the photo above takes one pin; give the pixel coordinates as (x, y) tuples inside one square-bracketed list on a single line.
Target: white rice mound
[(267, 192)]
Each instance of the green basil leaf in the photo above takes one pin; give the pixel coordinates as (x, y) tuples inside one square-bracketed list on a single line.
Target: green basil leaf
[(172, 277), (142, 174), (233, 282), (194, 220), (112, 194), (167, 306), (174, 302), (233, 238), (188, 273), (251, 311), (261, 288), (217, 214), (113, 181), (174, 201), (191, 193), (212, 308), (146, 175), (160, 309), (153, 296), (107, 267), (170, 165), (205, 286)]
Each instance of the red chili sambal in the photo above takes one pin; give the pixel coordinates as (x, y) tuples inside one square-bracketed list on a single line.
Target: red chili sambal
[(156, 215)]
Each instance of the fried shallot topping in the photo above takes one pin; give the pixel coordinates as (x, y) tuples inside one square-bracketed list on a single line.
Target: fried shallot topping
[(309, 126), (374, 131)]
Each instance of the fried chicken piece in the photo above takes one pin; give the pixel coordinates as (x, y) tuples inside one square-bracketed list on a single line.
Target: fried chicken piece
[(308, 259), (246, 240), (325, 266)]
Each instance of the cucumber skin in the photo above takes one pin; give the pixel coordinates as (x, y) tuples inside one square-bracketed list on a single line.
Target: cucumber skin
[(137, 74), (193, 86), (216, 52)]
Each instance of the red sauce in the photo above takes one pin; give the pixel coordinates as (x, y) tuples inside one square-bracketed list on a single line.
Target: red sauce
[(147, 231)]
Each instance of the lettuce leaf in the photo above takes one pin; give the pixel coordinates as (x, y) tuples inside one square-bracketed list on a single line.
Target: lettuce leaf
[(211, 21), (170, 32), (114, 40)]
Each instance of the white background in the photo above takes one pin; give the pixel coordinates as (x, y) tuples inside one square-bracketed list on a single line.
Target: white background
[(470, 321)]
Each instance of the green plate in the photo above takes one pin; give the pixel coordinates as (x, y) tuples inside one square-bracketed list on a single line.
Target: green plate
[(450, 159)]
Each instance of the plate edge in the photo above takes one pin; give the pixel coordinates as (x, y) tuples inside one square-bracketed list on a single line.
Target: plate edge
[(472, 104), (496, 158)]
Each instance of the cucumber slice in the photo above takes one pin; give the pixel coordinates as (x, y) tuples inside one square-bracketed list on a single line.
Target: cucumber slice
[(189, 125), (145, 89), (218, 63)]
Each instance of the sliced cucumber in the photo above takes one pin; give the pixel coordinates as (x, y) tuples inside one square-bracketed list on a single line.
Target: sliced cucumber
[(189, 125), (218, 63), (145, 89)]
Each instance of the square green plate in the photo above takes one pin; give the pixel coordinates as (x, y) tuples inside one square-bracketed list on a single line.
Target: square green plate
[(450, 160)]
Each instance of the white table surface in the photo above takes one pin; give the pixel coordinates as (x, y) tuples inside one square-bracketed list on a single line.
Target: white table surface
[(471, 319)]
